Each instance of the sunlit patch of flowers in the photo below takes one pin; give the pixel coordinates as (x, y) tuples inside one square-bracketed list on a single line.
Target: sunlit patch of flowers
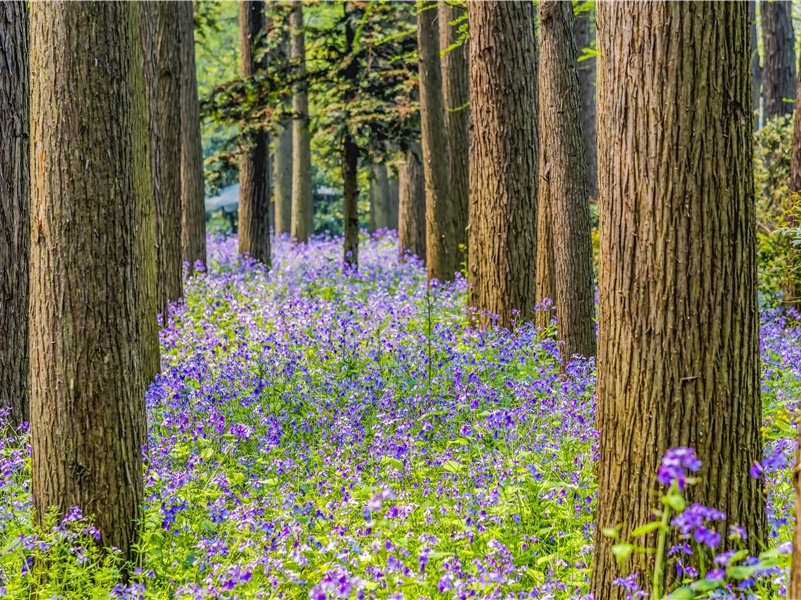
[(317, 433)]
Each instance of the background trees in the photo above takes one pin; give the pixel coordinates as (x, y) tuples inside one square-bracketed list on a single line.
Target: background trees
[(779, 70)]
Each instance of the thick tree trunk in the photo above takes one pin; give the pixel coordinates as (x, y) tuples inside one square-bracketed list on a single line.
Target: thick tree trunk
[(302, 212), (756, 65), (442, 248), (193, 194), (394, 202), (254, 173), (87, 391), (678, 347), (379, 198), (350, 154), (791, 287), (169, 260), (779, 44), (503, 176), (586, 74), (456, 96), (14, 208), (795, 570), (567, 180), (412, 206), (546, 269)]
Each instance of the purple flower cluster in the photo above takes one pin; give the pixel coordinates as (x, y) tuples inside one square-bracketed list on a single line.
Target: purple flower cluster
[(675, 464)]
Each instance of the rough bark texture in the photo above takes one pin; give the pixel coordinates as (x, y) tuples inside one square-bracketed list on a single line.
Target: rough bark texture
[(756, 65), (193, 194), (169, 259), (87, 392), (302, 211), (394, 202), (678, 347), (442, 247), (379, 198), (791, 294), (504, 172), (456, 96), (254, 173), (412, 206), (567, 180), (546, 270), (779, 45), (795, 570), (282, 162), (586, 73), (350, 157), (14, 209)]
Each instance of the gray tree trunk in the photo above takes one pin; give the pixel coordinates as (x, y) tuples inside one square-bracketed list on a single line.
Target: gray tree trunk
[(302, 212)]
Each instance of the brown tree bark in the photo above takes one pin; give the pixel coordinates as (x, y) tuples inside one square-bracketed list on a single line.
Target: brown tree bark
[(254, 173), (379, 198), (442, 247), (87, 390), (282, 161), (795, 568), (302, 210), (456, 97), (678, 347), (394, 202), (350, 155), (779, 45), (193, 194), (412, 209), (546, 270), (567, 180), (169, 260), (756, 65), (586, 73), (504, 172), (791, 294), (14, 209)]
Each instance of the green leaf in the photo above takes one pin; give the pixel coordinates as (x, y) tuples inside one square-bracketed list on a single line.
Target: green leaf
[(451, 466), (622, 551), (706, 585), (646, 529), (740, 572), (674, 501), (682, 593), (611, 532), (393, 462)]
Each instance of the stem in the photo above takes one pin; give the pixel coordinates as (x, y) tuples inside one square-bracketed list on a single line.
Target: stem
[(659, 567)]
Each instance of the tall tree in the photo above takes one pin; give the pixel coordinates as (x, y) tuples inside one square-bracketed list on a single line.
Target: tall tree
[(169, 258), (379, 197), (193, 209), (394, 201), (678, 347), (87, 392), (504, 171), (254, 174), (586, 72), (282, 153), (412, 209), (350, 150), (456, 97), (791, 287), (779, 44), (442, 251), (546, 269), (302, 212), (795, 569), (14, 208), (756, 65), (566, 179)]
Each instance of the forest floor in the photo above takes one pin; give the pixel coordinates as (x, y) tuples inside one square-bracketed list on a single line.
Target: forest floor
[(315, 434)]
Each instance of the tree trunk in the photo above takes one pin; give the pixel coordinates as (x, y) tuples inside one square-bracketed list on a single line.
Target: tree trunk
[(566, 179), (791, 287), (254, 173), (586, 74), (503, 176), (756, 66), (87, 391), (394, 202), (350, 154), (193, 194), (302, 213), (412, 206), (282, 143), (678, 347), (546, 270), (795, 569), (15, 208), (456, 96), (779, 44), (441, 244), (169, 260), (379, 198)]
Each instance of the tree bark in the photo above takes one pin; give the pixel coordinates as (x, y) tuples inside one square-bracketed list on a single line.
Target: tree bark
[(282, 143), (254, 173), (791, 290), (795, 568), (394, 202), (756, 66), (412, 206), (193, 194), (779, 45), (504, 174), (169, 258), (456, 96), (678, 347), (350, 155), (15, 209), (586, 74), (546, 269), (566, 180), (441, 242), (302, 212), (87, 390), (379, 198)]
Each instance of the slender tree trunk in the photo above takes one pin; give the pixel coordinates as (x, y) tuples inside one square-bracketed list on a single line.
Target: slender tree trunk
[(586, 74), (379, 197), (282, 143), (350, 154), (254, 174), (795, 570), (779, 44), (678, 347), (756, 66), (546, 270), (412, 209), (193, 194), (503, 176), (169, 260), (567, 180), (15, 209), (302, 215), (87, 390), (441, 243), (791, 288), (456, 96), (394, 202)]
